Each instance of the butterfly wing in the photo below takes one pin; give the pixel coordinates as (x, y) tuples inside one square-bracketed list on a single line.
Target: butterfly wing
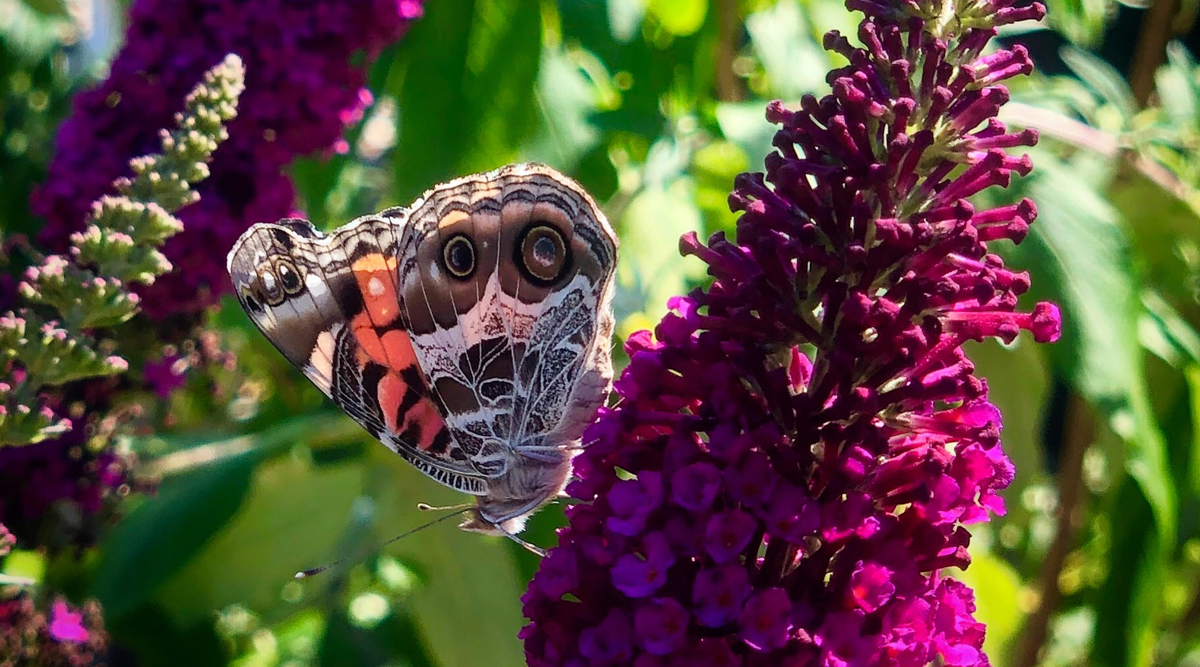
[(331, 305), (507, 279)]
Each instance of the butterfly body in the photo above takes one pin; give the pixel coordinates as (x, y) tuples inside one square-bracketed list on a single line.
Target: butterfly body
[(470, 332)]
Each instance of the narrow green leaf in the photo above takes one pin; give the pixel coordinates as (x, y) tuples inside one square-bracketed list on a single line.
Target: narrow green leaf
[(1103, 79), (1129, 604), (1080, 258), (1192, 374)]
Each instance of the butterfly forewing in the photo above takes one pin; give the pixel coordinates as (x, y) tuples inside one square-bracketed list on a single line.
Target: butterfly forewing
[(329, 303)]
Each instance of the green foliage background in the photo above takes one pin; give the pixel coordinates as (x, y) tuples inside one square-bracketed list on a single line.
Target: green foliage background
[(655, 105)]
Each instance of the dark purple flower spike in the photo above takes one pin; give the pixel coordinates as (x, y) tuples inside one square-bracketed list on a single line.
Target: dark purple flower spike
[(802, 443)]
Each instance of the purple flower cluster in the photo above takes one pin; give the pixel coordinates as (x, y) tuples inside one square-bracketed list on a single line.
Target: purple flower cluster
[(305, 64), (62, 637), (60, 492), (798, 448)]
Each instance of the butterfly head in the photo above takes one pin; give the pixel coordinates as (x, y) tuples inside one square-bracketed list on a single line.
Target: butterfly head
[(521, 491)]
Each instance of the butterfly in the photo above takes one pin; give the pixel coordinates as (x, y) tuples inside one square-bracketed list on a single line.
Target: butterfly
[(470, 331)]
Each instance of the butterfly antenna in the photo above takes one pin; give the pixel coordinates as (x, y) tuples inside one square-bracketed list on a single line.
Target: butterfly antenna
[(426, 507), (304, 574)]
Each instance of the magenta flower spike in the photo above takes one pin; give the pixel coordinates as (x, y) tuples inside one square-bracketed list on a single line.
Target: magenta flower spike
[(799, 448)]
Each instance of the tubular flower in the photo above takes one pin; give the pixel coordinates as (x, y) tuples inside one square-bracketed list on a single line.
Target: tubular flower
[(798, 448), (305, 70)]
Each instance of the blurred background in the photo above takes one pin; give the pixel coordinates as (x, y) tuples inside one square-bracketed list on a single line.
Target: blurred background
[(655, 106)]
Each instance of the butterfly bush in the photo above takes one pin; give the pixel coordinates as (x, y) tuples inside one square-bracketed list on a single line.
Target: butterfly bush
[(306, 66), (306, 62), (47, 460), (798, 448)]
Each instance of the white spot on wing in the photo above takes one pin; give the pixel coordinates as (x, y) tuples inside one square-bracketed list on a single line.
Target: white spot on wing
[(316, 286), (375, 286)]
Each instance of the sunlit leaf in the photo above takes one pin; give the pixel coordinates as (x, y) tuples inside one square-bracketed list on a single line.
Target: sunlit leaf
[(678, 17), (1103, 79), (785, 43), (1079, 257), (651, 270), (746, 125), (466, 95)]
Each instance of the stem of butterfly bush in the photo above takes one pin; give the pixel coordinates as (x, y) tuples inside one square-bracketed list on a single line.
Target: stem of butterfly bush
[(1151, 49), (1077, 436), (728, 30), (320, 430)]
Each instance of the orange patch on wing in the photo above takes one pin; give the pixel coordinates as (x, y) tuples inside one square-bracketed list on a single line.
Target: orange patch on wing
[(368, 338), (428, 421), (397, 346), (452, 217), (391, 392), (375, 275), (392, 350), (422, 417)]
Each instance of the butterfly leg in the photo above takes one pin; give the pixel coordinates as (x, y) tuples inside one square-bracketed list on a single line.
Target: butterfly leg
[(535, 550)]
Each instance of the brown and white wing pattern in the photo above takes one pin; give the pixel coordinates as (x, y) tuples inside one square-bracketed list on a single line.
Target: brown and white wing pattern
[(507, 281)]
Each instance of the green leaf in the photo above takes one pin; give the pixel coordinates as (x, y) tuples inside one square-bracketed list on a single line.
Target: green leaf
[(1103, 79), (1079, 257), (291, 520), (651, 270), (678, 17), (466, 96), (746, 125), (1192, 375), (1164, 230), (786, 44), (296, 516), (162, 535), (1175, 85), (469, 580), (566, 99), (56, 8), (1129, 604)]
